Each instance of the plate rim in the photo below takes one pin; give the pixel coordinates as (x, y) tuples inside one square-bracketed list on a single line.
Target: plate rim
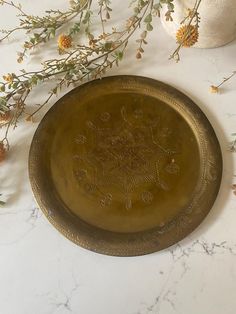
[(118, 244)]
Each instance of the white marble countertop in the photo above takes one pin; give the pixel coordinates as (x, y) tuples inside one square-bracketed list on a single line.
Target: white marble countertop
[(42, 272)]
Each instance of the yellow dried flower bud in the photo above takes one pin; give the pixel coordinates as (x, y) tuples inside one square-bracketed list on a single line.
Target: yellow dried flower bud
[(5, 117), (20, 60), (64, 42), (29, 118), (8, 78), (214, 89), (187, 35), (138, 55)]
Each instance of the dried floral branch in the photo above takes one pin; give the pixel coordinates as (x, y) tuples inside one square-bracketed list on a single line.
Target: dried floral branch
[(78, 62), (216, 88), (41, 29), (187, 35)]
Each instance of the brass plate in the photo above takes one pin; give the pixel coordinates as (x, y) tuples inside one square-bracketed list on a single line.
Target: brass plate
[(125, 165)]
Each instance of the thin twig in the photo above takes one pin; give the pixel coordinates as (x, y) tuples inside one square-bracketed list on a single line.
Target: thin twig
[(226, 79), (175, 54)]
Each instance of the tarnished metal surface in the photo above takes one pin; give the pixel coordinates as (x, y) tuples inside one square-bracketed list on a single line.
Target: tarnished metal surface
[(125, 165)]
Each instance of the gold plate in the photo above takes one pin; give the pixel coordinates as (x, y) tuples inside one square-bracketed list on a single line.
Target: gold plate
[(125, 165)]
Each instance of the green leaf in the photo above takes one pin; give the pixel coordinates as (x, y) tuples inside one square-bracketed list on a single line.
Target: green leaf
[(54, 90), (119, 54), (108, 45), (141, 3), (86, 17), (15, 84), (3, 101), (148, 18), (2, 88), (34, 79), (36, 36), (149, 27), (32, 40), (53, 32), (2, 202), (157, 6), (75, 29), (171, 7)]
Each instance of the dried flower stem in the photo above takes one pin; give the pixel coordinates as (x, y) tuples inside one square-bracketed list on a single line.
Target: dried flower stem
[(104, 7), (78, 63), (226, 79), (41, 29), (192, 15)]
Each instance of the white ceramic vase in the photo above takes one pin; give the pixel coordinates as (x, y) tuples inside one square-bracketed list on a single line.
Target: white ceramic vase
[(218, 21)]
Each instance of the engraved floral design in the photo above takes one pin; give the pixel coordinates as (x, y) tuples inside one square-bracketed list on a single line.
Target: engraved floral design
[(125, 158)]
